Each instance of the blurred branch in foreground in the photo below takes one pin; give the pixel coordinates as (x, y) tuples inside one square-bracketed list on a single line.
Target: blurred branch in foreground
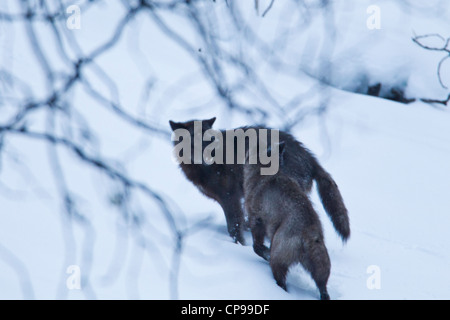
[(443, 47)]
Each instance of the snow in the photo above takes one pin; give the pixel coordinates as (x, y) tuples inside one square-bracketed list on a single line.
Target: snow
[(390, 161)]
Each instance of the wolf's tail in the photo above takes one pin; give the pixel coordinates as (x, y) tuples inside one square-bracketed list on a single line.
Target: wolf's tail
[(332, 202)]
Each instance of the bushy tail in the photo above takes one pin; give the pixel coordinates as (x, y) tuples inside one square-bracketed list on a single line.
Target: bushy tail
[(332, 202)]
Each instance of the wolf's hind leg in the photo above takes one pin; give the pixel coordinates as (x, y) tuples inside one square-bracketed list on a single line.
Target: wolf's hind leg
[(279, 271), (280, 259), (316, 260), (258, 233)]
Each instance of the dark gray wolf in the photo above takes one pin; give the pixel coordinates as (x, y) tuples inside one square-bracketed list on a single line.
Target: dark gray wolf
[(279, 209)]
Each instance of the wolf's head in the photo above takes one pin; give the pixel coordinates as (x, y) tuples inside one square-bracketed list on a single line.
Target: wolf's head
[(190, 139)]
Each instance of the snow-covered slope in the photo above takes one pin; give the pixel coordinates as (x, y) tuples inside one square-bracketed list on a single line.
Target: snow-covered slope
[(394, 176)]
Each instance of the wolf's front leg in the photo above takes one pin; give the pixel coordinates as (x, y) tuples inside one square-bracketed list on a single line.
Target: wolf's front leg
[(235, 218)]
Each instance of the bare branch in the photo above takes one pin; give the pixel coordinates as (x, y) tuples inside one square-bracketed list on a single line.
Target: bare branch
[(268, 8), (444, 102), (444, 48)]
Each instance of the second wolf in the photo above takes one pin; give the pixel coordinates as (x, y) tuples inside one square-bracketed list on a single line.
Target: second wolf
[(279, 208)]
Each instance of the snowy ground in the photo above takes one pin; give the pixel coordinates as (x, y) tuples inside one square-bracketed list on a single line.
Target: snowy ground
[(390, 160), (393, 174)]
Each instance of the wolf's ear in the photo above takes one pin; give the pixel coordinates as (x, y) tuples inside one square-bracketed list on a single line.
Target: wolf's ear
[(176, 125), (210, 122)]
